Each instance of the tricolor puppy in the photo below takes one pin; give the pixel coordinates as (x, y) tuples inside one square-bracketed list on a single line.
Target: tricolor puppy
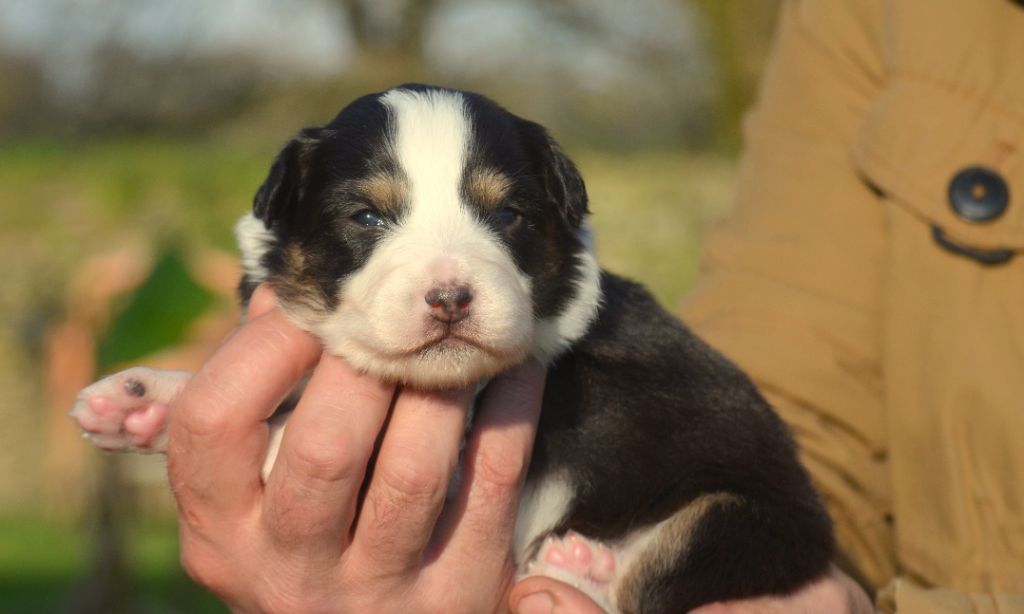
[(434, 239)]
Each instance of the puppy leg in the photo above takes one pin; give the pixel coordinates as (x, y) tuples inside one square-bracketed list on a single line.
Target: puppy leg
[(719, 546), (128, 411), (723, 546)]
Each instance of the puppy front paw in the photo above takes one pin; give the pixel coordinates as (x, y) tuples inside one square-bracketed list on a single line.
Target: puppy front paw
[(128, 411)]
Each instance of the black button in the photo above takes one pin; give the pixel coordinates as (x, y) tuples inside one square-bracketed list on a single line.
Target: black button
[(978, 194)]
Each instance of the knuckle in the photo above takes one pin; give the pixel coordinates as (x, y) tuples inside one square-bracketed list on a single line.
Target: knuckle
[(415, 480), (500, 467), (324, 461), (202, 421), (203, 425)]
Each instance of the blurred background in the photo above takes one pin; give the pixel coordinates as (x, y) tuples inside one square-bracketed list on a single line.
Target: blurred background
[(133, 133)]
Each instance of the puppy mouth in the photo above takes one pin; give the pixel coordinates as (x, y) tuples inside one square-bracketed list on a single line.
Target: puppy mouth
[(448, 340)]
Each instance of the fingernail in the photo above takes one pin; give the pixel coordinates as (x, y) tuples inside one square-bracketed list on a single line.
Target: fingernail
[(536, 603)]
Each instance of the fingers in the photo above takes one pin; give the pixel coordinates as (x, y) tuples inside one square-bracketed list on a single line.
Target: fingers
[(542, 595), (410, 479), (496, 459), (261, 301), (217, 434), (835, 592), (310, 497)]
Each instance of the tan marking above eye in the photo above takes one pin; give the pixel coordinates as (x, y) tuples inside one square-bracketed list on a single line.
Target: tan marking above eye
[(386, 192), (487, 187)]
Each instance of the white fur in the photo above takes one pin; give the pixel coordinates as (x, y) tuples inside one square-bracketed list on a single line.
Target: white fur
[(253, 241), (542, 506), (554, 335), (383, 322)]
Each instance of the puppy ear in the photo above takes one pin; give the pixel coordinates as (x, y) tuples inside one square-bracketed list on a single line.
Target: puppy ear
[(282, 188), (562, 182)]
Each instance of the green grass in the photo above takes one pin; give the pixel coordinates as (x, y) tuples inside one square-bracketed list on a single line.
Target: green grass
[(46, 564), (649, 212), (186, 188)]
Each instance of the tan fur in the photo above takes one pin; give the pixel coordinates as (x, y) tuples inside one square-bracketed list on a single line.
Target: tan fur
[(387, 193), (668, 544), (487, 187), (296, 286)]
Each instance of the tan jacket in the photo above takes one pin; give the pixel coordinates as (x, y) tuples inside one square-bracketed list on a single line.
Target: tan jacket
[(841, 284)]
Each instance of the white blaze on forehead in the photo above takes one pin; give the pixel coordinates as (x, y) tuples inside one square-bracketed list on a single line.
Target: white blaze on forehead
[(430, 140)]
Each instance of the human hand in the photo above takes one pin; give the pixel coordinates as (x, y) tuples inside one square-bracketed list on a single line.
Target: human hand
[(543, 595), (836, 593), (308, 540)]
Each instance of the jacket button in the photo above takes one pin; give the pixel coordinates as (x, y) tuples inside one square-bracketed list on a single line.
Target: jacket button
[(978, 194)]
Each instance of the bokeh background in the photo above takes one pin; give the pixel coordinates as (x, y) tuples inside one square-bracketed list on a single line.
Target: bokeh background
[(133, 133)]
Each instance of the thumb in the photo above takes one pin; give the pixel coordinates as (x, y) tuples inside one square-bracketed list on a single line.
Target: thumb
[(542, 595)]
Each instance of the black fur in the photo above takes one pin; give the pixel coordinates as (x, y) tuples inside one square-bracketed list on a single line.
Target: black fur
[(646, 417)]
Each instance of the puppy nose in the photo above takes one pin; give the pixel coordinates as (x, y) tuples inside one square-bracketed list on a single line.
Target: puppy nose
[(449, 304)]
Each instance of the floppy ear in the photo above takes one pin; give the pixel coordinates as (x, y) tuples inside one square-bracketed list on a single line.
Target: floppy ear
[(562, 182), (282, 188)]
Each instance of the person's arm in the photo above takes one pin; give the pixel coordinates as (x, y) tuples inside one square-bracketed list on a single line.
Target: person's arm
[(308, 540), (792, 283)]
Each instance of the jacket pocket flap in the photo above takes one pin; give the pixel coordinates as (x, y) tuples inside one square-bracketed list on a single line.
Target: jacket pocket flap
[(917, 137)]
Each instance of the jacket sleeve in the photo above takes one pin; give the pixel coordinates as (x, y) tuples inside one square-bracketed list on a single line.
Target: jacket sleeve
[(789, 287), (791, 283), (906, 597)]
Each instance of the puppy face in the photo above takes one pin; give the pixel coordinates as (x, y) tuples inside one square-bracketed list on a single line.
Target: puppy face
[(426, 235)]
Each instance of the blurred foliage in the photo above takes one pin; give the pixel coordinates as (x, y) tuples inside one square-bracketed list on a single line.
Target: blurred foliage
[(42, 561), (740, 34), (702, 64), (157, 314), (72, 196)]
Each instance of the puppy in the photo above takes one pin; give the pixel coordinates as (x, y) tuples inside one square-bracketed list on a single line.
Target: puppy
[(434, 239)]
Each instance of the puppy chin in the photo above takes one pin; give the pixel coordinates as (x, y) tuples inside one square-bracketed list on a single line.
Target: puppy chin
[(446, 365)]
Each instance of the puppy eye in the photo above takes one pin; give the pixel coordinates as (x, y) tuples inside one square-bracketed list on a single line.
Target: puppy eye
[(507, 217), (368, 218)]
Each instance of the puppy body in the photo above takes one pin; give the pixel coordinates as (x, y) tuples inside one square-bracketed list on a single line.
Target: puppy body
[(434, 239)]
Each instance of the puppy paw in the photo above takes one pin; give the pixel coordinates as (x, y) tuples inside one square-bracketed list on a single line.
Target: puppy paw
[(584, 563), (128, 411)]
